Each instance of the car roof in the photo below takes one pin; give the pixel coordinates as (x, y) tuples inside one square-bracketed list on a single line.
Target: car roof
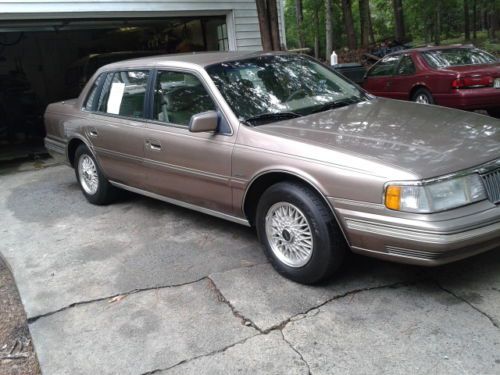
[(431, 48), (201, 59)]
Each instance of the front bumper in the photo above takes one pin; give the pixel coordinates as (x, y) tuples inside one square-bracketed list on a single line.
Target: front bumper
[(428, 240)]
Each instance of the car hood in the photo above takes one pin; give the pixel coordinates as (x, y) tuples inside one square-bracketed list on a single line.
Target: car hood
[(425, 140)]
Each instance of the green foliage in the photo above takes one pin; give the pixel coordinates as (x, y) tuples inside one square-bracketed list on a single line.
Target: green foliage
[(420, 17)]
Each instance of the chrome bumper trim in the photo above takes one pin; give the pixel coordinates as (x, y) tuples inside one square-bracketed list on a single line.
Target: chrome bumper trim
[(423, 237)]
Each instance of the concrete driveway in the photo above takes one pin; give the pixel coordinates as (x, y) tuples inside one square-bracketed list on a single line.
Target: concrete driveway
[(143, 287)]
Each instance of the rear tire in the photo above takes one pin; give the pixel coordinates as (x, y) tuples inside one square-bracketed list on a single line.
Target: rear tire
[(494, 112), (301, 238), (95, 187), (422, 96)]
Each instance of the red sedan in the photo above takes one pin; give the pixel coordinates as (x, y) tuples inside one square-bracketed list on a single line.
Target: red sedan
[(459, 77)]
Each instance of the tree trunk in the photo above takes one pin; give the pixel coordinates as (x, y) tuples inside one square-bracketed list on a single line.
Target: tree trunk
[(265, 31), (399, 20), (474, 19), (316, 32), (349, 24), (466, 20), (370, 24), (328, 29), (437, 24), (364, 15), (493, 20), (272, 9), (299, 15)]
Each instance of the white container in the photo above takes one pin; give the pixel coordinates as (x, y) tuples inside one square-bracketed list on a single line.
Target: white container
[(333, 59)]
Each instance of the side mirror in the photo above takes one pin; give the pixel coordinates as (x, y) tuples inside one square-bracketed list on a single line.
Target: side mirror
[(204, 122)]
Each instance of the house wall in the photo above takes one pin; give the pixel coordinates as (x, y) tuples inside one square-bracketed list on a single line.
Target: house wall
[(243, 26)]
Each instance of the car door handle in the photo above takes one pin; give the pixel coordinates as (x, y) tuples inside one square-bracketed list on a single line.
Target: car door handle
[(154, 145), (93, 132)]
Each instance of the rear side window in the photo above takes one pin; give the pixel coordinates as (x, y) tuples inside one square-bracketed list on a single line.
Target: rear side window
[(123, 93), (385, 67), (457, 56), (91, 102), (406, 66)]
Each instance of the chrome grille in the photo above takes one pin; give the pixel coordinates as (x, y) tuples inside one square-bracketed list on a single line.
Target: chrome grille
[(492, 185)]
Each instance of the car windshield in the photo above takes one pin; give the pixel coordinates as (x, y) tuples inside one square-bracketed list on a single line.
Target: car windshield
[(275, 87), (443, 58)]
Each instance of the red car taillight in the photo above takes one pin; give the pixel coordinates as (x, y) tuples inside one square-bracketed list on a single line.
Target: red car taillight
[(472, 82)]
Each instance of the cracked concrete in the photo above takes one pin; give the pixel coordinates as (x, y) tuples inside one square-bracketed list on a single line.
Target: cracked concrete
[(143, 287)]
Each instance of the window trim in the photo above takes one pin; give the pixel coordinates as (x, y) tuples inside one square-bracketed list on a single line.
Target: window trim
[(195, 73), (145, 117)]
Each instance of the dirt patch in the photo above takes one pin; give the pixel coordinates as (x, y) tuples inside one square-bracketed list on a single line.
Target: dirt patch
[(17, 356)]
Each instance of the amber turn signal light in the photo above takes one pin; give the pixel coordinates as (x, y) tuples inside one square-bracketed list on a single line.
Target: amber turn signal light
[(393, 197)]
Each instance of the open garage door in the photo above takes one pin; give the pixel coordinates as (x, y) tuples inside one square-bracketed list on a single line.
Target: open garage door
[(42, 61)]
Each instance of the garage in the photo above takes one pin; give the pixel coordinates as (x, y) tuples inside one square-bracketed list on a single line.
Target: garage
[(48, 50)]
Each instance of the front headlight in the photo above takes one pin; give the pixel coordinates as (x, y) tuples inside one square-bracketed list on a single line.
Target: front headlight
[(435, 196)]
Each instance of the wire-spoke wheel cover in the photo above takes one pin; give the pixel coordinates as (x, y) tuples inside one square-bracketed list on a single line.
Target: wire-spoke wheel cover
[(422, 99), (87, 172), (289, 234)]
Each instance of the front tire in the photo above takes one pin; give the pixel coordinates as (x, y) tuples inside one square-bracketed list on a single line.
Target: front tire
[(94, 185), (301, 238)]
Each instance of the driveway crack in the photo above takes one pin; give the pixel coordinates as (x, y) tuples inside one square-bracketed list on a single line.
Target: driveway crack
[(246, 321), (296, 351), (449, 291), (130, 292), (184, 361), (284, 323)]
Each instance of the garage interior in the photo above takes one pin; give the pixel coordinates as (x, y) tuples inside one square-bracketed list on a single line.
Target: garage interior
[(42, 61)]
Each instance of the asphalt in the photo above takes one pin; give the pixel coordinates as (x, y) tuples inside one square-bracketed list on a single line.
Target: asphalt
[(142, 287)]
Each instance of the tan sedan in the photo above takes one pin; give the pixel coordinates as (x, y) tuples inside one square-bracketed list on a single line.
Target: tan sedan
[(280, 142)]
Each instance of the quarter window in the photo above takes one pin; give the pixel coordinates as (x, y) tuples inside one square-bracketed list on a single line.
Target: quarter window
[(123, 93), (91, 98), (178, 96), (406, 66), (385, 67)]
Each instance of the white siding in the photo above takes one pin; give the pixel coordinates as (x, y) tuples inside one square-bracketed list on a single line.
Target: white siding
[(243, 25)]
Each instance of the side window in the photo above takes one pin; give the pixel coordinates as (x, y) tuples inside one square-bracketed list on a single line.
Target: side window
[(178, 96), (384, 67), (406, 66), (123, 93), (91, 102)]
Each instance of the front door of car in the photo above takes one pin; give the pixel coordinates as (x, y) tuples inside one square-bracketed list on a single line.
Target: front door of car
[(191, 167), (379, 78), (403, 79), (115, 126)]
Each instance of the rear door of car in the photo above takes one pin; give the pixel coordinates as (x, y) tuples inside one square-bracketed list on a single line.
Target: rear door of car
[(379, 78), (116, 125), (190, 167), (403, 79)]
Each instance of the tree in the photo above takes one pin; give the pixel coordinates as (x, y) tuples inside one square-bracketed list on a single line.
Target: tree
[(267, 13), (399, 20), (365, 23), (474, 19), (328, 29), (466, 20), (437, 23), (299, 16), (349, 24)]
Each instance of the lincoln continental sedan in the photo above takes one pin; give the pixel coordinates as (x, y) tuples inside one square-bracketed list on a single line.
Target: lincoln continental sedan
[(280, 142)]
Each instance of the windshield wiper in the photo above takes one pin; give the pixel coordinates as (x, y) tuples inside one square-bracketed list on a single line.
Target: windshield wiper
[(335, 104), (270, 117)]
